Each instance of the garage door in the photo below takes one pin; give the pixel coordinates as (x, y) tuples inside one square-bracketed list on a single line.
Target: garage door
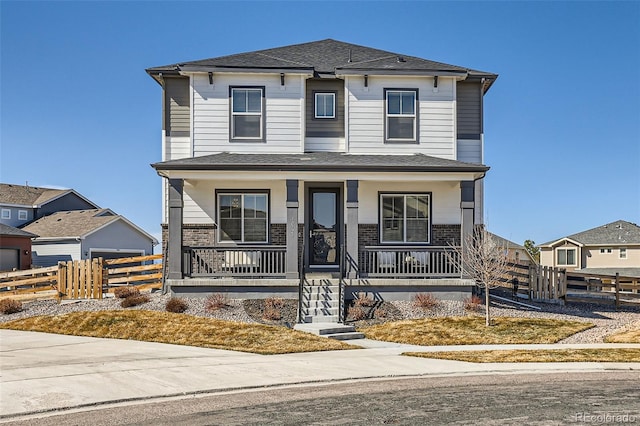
[(9, 259)]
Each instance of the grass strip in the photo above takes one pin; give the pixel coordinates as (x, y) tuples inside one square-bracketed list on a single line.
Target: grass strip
[(179, 329), (536, 355), (629, 336), (473, 331)]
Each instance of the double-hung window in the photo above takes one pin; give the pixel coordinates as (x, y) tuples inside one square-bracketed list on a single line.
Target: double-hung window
[(23, 215), (243, 217), (6, 214), (401, 115), (405, 218), (623, 253), (566, 257), (247, 113), (325, 105)]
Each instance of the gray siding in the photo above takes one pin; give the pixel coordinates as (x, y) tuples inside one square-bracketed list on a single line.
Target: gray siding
[(469, 106), (177, 104), (50, 253), (65, 203), (116, 236), (324, 127)]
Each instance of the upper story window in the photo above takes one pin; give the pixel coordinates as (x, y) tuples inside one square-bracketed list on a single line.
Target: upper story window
[(6, 214), (405, 218), (605, 250), (247, 113), (623, 253), (566, 257), (243, 217), (325, 105), (23, 215), (401, 119)]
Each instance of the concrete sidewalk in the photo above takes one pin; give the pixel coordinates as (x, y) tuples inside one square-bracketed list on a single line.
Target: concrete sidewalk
[(42, 372)]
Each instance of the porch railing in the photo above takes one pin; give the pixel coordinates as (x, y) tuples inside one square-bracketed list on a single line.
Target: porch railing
[(410, 262), (239, 262)]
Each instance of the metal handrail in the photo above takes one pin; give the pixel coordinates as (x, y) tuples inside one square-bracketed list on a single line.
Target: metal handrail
[(343, 258), (301, 275)]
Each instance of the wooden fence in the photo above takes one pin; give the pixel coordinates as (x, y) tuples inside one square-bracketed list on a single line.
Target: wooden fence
[(547, 284), (82, 279)]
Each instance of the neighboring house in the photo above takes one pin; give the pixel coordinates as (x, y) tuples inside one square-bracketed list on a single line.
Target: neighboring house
[(608, 249), (22, 204), (86, 234), (515, 252), (340, 158), (15, 248)]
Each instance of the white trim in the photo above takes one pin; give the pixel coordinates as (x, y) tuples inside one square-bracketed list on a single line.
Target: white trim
[(7, 216), (26, 215), (575, 257), (333, 105), (565, 239), (192, 115), (621, 251)]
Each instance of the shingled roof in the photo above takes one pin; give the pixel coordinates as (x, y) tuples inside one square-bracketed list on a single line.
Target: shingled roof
[(320, 161), (76, 224), (27, 195), (618, 232), (321, 57), (10, 231)]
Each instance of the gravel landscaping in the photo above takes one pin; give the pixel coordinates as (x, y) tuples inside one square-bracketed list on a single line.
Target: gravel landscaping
[(607, 321)]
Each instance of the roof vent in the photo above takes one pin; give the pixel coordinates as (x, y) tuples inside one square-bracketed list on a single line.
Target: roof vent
[(401, 59)]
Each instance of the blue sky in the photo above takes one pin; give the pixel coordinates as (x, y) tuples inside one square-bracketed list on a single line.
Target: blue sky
[(562, 122)]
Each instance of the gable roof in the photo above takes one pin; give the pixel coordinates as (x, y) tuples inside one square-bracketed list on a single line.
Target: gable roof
[(10, 231), (614, 233), (33, 196), (320, 161), (77, 224), (506, 243), (321, 57)]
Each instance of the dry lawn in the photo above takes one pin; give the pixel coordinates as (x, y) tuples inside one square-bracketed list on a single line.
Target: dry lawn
[(472, 331), (630, 336), (179, 329), (546, 355)]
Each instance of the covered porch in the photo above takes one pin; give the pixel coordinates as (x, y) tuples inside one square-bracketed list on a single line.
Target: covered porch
[(246, 221)]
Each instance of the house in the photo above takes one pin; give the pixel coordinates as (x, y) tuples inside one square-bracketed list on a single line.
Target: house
[(15, 248), (516, 253), (86, 234), (608, 249), (320, 162), (22, 204)]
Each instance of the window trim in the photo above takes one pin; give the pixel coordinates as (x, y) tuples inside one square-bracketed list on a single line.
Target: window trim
[(232, 114), (243, 192), (20, 214), (622, 254), (416, 116), (8, 214), (404, 195), (575, 256), (334, 95)]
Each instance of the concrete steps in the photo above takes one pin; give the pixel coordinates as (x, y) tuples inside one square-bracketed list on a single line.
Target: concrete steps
[(320, 299), (331, 330)]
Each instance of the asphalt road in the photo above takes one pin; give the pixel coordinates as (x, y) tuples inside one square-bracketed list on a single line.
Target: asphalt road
[(524, 399)]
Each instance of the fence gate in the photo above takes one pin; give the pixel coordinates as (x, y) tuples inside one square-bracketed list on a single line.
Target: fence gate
[(80, 279)]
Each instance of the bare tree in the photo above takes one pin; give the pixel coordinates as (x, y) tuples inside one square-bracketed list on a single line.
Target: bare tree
[(483, 259)]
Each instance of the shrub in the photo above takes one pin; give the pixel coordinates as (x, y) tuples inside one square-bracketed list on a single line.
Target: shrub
[(176, 305), (216, 301), (473, 303), (273, 307), (363, 300), (10, 306), (357, 313), (425, 300), (126, 291), (134, 300)]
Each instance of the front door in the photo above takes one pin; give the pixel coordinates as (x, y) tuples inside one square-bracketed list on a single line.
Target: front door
[(324, 228)]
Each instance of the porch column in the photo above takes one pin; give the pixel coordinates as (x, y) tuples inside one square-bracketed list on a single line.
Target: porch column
[(352, 229), (291, 263), (467, 205), (174, 245)]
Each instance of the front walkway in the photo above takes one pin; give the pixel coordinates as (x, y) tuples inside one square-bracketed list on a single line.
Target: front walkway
[(44, 372)]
